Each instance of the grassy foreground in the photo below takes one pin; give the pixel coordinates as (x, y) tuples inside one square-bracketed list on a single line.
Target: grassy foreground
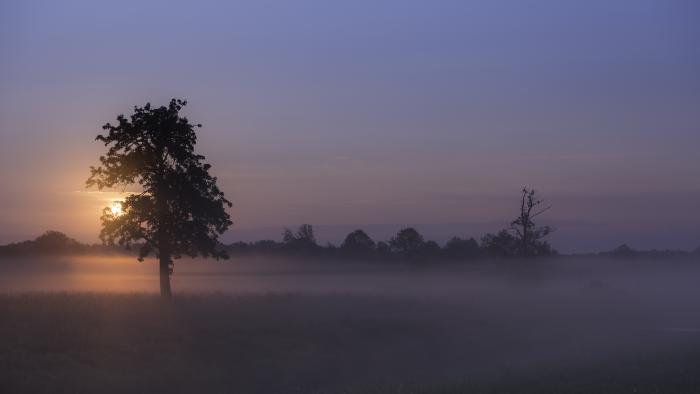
[(76, 343)]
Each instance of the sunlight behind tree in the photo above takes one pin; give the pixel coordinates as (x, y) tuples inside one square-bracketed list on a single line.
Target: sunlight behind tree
[(180, 210)]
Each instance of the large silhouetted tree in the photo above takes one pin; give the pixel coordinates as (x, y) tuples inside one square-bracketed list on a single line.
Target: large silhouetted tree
[(179, 210)]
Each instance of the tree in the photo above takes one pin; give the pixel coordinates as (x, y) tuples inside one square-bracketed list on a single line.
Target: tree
[(623, 251), (502, 244), (358, 242), (529, 237), (303, 239), (407, 242), (179, 209), (383, 249), (458, 248), (431, 248), (266, 246), (55, 242)]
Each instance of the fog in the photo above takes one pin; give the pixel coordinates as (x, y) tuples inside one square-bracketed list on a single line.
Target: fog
[(578, 278), (416, 322)]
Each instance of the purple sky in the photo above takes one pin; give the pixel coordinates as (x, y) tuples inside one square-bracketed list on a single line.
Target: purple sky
[(372, 114)]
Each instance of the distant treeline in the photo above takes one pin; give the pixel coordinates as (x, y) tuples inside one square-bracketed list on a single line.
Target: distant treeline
[(56, 242), (407, 245)]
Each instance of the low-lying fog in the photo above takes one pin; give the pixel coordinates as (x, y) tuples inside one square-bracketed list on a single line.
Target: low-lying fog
[(475, 318), (667, 293), (571, 277)]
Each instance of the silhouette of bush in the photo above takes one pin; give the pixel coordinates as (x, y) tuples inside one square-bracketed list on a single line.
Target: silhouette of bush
[(383, 250), (55, 241), (407, 242), (458, 249), (502, 244), (303, 240), (266, 246), (358, 243), (431, 249), (51, 242), (622, 251)]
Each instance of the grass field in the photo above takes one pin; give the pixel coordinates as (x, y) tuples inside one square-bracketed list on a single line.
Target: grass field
[(335, 344), (478, 330)]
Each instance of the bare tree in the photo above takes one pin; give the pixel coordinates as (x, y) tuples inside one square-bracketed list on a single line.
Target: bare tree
[(529, 237)]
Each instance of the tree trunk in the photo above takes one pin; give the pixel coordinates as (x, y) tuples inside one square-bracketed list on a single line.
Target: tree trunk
[(526, 239), (165, 275), (163, 240)]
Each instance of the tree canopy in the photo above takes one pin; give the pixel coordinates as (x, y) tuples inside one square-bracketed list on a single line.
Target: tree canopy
[(179, 209), (358, 242), (407, 241), (302, 239)]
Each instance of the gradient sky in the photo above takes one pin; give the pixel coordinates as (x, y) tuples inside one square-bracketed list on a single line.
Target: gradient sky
[(372, 114)]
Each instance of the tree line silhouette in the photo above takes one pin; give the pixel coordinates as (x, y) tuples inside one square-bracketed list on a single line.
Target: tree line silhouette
[(407, 245), (55, 243), (522, 239)]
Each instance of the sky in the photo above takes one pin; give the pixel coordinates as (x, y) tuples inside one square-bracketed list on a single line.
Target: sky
[(370, 114)]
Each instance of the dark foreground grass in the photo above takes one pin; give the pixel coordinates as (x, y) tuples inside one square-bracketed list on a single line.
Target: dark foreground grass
[(98, 343)]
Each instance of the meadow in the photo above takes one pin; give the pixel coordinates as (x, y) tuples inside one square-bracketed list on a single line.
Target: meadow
[(260, 326)]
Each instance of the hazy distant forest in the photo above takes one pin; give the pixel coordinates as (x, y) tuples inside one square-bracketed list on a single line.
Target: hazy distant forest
[(407, 245)]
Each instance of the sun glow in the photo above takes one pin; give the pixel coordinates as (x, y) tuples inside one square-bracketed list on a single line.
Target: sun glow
[(117, 208)]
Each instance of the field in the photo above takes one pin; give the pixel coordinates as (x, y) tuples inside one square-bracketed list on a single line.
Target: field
[(282, 327)]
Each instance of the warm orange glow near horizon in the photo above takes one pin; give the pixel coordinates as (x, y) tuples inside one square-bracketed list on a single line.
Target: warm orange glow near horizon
[(117, 208)]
